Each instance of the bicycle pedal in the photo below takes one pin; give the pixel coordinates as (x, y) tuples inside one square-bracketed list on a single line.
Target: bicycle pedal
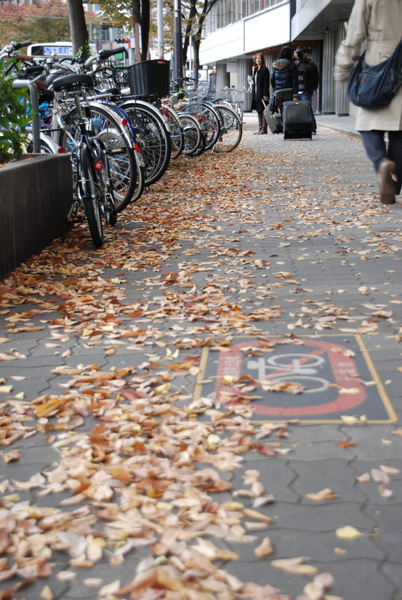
[(77, 219)]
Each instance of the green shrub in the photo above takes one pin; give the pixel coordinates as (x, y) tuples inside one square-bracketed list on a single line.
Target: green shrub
[(13, 116)]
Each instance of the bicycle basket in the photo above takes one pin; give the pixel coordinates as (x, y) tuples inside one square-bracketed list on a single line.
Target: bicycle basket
[(150, 78)]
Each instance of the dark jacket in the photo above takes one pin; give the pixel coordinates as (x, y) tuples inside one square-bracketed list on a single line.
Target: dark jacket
[(284, 75), (307, 75), (261, 88)]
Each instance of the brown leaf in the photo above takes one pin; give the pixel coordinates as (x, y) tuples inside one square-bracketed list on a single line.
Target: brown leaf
[(11, 456), (325, 494)]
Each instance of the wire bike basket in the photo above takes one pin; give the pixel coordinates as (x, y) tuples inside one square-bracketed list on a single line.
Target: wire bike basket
[(150, 78)]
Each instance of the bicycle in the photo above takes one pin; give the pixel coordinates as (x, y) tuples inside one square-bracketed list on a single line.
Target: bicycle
[(109, 124), (152, 135), (93, 187)]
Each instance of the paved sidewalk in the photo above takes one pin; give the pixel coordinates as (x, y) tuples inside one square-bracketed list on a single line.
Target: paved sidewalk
[(341, 124), (267, 282)]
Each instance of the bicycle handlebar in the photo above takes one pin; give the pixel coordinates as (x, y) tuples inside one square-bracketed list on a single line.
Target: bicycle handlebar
[(104, 54), (19, 45)]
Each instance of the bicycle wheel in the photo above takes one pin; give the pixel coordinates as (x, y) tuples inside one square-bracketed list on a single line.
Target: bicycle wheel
[(152, 137), (123, 167), (47, 144), (231, 129), (139, 177), (89, 195), (208, 120), (192, 134), (175, 129)]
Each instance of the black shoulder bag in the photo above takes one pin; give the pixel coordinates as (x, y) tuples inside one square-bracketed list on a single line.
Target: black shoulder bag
[(375, 87)]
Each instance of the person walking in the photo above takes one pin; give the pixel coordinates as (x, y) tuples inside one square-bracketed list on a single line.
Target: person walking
[(379, 23), (308, 79), (284, 78), (260, 91)]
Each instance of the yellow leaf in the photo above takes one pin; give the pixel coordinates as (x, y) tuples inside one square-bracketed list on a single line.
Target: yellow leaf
[(254, 514), (231, 506), (65, 575), (302, 570), (349, 420), (294, 565), (5, 389), (213, 441), (162, 388), (46, 593), (325, 494), (348, 533), (389, 470), (12, 498), (264, 549), (312, 591)]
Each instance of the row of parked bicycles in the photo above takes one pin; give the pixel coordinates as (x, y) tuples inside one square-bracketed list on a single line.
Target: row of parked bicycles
[(118, 142)]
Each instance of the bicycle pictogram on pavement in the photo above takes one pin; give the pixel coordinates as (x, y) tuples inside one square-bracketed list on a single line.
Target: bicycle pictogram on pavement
[(317, 379)]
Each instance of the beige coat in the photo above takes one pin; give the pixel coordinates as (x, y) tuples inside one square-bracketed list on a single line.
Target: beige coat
[(379, 22)]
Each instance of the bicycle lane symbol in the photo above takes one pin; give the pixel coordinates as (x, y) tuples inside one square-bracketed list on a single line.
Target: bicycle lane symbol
[(293, 368), (342, 392)]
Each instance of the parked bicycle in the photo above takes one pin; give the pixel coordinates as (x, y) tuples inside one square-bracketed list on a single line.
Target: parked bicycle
[(93, 185)]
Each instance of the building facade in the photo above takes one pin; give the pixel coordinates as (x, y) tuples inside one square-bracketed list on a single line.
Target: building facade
[(236, 29)]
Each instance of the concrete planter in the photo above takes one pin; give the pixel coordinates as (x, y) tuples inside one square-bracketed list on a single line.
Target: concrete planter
[(35, 195)]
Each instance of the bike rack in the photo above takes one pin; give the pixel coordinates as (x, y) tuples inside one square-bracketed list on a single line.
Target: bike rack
[(19, 84)]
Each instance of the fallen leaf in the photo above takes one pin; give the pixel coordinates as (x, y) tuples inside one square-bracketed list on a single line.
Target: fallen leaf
[(264, 549), (325, 494), (46, 593), (348, 533), (294, 565), (385, 492), (11, 456), (389, 470)]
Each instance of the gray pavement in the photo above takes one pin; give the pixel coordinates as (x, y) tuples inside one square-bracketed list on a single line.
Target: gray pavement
[(115, 364)]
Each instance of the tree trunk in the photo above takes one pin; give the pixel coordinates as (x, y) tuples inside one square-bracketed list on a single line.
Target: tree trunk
[(78, 28), (136, 27), (208, 4), (197, 37), (196, 59), (188, 33), (145, 23)]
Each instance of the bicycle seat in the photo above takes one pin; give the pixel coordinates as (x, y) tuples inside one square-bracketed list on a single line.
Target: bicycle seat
[(52, 76), (72, 82)]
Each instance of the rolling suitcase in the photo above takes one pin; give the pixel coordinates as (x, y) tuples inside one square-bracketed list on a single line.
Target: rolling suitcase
[(274, 122), (296, 117)]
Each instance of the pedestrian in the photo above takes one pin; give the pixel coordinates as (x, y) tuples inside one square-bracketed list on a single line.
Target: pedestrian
[(379, 23), (260, 91), (284, 78), (307, 78)]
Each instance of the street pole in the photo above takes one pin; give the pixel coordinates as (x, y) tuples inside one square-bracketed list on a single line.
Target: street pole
[(159, 8), (178, 50)]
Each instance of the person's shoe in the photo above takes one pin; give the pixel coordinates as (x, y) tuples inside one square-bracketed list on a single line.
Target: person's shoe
[(257, 132), (386, 182)]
